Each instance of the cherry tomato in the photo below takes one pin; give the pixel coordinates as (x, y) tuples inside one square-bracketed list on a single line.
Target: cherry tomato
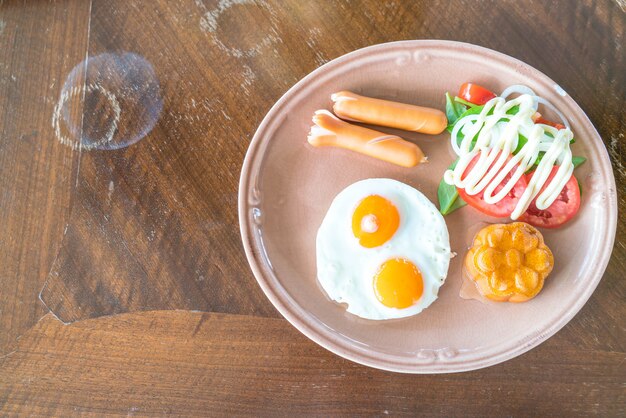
[(504, 207), (562, 210), (476, 94), (540, 119)]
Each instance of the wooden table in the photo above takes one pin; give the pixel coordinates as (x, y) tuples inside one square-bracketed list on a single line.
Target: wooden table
[(124, 288)]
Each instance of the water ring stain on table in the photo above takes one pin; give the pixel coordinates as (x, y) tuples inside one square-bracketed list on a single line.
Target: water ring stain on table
[(120, 99)]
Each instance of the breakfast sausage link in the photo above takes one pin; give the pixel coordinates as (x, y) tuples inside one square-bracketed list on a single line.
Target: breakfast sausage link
[(408, 117), (328, 130)]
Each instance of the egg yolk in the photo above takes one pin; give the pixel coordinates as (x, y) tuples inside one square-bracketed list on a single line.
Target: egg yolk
[(374, 221), (398, 283)]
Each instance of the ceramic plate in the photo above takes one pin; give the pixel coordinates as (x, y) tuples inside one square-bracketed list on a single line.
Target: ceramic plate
[(287, 186)]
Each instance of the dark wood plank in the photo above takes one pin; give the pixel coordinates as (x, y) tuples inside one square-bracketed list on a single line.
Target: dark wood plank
[(39, 43), (199, 364), (156, 223)]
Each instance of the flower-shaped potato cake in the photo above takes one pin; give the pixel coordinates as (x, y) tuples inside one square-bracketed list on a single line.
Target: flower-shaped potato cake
[(509, 262)]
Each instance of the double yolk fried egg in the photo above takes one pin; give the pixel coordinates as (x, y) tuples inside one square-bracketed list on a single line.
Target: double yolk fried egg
[(383, 250)]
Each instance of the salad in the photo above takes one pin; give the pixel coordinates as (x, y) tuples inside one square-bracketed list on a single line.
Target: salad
[(511, 162)]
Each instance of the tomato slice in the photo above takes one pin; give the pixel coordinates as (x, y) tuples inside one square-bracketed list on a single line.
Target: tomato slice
[(476, 94), (504, 207), (561, 211), (537, 118)]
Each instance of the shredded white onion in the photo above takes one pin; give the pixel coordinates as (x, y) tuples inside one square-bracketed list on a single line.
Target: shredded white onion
[(457, 127), (555, 110), (522, 89), (519, 89)]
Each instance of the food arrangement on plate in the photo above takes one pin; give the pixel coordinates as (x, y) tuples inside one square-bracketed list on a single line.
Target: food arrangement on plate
[(326, 265), (511, 164)]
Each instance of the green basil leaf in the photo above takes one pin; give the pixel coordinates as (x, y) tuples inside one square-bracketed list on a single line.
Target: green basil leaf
[(449, 199), (578, 161), (580, 188), (459, 138), (453, 110), (458, 204), (448, 196), (552, 136), (521, 141), (471, 111), (513, 110), (465, 102)]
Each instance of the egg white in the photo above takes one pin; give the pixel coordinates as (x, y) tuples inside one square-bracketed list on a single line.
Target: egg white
[(346, 270)]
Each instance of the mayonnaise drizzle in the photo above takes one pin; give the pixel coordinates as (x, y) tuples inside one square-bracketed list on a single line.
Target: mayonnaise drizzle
[(497, 137)]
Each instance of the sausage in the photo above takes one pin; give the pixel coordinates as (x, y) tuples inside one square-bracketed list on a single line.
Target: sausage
[(330, 131), (350, 106)]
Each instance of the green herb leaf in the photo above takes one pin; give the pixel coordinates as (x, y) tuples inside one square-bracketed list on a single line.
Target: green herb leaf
[(465, 102), (458, 203), (580, 188), (471, 111), (521, 141), (513, 110), (459, 138), (449, 199), (453, 110), (578, 161), (575, 160)]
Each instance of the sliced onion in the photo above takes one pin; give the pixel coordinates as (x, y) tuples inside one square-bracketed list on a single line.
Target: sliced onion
[(457, 127), (520, 89), (517, 88), (554, 109)]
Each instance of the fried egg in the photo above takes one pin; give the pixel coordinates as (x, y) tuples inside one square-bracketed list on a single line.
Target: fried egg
[(383, 250)]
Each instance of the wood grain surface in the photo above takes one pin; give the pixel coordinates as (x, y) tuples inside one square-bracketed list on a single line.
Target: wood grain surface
[(149, 230)]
